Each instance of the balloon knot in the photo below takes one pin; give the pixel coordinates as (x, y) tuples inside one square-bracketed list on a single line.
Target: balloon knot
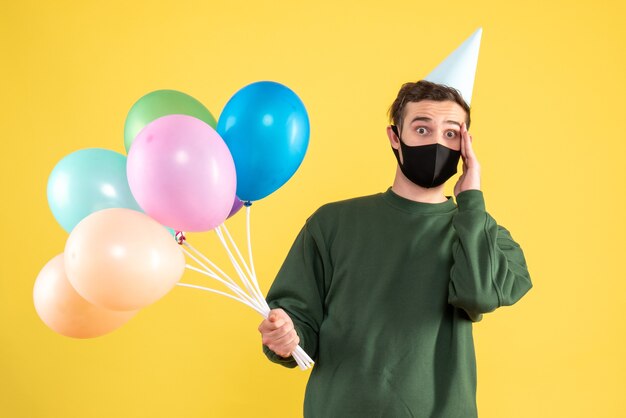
[(247, 203), (180, 237)]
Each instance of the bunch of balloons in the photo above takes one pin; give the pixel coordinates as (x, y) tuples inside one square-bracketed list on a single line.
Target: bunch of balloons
[(184, 171)]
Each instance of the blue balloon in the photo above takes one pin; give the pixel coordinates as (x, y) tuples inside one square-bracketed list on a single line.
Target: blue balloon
[(87, 181), (266, 128)]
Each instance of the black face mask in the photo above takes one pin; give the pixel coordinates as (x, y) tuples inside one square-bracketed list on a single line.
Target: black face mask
[(427, 165)]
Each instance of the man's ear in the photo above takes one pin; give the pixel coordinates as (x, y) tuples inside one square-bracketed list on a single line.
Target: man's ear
[(393, 137)]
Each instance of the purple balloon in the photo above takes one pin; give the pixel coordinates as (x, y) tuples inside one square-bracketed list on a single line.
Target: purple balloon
[(181, 173), (236, 206)]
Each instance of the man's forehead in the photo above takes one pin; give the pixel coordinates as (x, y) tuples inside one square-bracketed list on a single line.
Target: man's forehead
[(446, 109)]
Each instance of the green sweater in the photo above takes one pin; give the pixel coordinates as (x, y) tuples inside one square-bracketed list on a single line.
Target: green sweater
[(383, 292)]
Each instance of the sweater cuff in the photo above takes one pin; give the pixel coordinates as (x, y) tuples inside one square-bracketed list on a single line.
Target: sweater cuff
[(470, 200), (275, 358)]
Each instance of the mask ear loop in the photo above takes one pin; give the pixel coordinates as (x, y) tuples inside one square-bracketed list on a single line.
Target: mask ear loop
[(394, 128)]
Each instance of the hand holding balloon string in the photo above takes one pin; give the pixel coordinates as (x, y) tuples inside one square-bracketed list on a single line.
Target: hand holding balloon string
[(252, 295), (254, 298)]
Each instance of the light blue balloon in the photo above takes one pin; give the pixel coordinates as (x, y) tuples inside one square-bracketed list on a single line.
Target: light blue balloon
[(266, 128), (87, 181)]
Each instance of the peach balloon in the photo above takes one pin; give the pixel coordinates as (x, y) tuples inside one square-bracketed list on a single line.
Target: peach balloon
[(63, 310), (121, 259)]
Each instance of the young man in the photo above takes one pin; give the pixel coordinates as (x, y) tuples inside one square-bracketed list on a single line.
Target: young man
[(382, 291)]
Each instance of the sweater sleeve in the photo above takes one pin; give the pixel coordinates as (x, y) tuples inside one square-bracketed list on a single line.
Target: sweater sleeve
[(298, 289), (489, 267)]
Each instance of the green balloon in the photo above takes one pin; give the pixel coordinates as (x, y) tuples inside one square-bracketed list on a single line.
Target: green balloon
[(162, 103)]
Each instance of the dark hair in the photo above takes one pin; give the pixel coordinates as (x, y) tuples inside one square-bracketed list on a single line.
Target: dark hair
[(424, 90)]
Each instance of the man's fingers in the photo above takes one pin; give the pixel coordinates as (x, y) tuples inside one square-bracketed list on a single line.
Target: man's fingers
[(280, 332), (467, 148), (463, 133), (285, 348), (276, 319), (267, 326), (471, 156), (283, 345), (470, 149)]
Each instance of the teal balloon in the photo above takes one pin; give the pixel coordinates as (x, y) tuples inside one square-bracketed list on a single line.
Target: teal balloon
[(266, 128), (162, 103), (87, 181)]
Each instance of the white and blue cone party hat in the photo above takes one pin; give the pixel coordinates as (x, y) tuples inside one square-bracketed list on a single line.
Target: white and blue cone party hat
[(459, 68)]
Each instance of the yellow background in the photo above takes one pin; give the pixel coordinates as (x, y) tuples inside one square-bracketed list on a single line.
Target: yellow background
[(548, 114)]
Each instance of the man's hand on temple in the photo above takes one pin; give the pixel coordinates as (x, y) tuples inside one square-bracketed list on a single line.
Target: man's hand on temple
[(470, 179)]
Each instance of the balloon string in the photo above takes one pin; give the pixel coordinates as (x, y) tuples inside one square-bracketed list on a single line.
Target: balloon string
[(213, 265), (207, 271), (240, 293), (254, 289), (220, 293), (301, 357), (256, 283), (232, 285), (254, 299), (232, 242), (237, 267), (246, 279), (303, 360)]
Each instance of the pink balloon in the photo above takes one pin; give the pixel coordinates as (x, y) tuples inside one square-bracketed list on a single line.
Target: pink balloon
[(182, 174)]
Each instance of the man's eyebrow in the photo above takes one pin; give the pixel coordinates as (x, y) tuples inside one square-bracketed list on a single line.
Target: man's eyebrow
[(422, 118), (427, 119)]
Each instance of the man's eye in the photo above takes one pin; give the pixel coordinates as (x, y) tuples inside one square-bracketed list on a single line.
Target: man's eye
[(421, 130), (451, 134)]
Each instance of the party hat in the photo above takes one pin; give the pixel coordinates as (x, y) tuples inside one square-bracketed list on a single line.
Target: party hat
[(459, 68)]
